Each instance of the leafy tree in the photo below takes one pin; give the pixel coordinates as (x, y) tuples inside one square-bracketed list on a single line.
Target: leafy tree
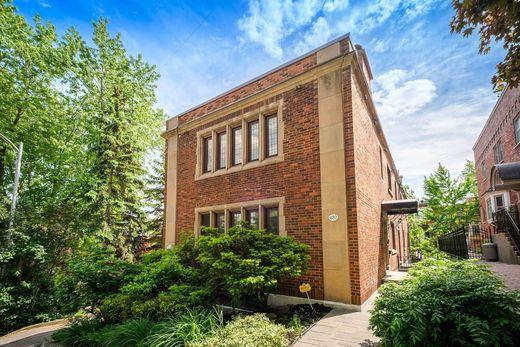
[(497, 20), (451, 202), (117, 94)]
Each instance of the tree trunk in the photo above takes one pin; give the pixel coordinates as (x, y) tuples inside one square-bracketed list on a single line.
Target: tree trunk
[(2, 167)]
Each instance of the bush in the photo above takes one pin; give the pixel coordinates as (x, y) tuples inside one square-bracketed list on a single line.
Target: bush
[(183, 329), (445, 302), (129, 334), (81, 333), (162, 285), (248, 331), (245, 261)]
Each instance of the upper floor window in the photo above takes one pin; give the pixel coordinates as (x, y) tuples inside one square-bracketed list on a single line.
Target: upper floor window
[(221, 150), (237, 145), (271, 132), (499, 152), (517, 129), (389, 176), (248, 140), (381, 161), (484, 169), (208, 154), (253, 141)]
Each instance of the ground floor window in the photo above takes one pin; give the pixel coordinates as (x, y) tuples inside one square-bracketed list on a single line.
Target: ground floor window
[(494, 202), (262, 214)]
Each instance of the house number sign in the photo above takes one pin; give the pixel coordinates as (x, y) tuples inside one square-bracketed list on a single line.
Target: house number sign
[(333, 217)]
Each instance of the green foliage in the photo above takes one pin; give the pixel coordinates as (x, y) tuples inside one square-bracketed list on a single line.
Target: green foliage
[(129, 334), (93, 273), (443, 302), (186, 328), (248, 331), (451, 202), (495, 20), (81, 333), (160, 286), (244, 261)]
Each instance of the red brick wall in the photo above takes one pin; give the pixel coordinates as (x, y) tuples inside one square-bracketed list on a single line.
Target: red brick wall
[(370, 190), (297, 178), (498, 127)]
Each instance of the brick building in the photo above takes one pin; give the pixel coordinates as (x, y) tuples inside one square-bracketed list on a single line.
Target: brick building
[(498, 145), (298, 151)]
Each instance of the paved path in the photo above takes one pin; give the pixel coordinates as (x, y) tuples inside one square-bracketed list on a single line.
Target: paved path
[(510, 273), (35, 335), (342, 328)]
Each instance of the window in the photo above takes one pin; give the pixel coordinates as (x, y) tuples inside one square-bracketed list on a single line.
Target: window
[(208, 154), (234, 218), (381, 161), (221, 150), (205, 220), (271, 133), (499, 202), (489, 209), (237, 145), (253, 141), (484, 169), (499, 155), (220, 222), (517, 129), (252, 217), (389, 176), (271, 220)]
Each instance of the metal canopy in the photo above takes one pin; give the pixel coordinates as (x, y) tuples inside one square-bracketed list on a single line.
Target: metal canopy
[(399, 206), (505, 176)]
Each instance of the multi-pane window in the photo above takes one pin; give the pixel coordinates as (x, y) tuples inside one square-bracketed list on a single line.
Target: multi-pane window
[(234, 218), (517, 129), (489, 209), (252, 217), (253, 141), (271, 219), (236, 145), (271, 133), (205, 220), (221, 150), (220, 222), (208, 154), (499, 202), (499, 152)]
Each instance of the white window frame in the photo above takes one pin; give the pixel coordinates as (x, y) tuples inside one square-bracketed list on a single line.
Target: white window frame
[(490, 199)]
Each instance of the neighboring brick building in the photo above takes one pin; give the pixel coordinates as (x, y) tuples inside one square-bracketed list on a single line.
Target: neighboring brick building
[(498, 143), (298, 151)]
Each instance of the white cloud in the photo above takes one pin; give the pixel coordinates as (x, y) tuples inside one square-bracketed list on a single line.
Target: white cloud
[(45, 4), (310, 23), (398, 97)]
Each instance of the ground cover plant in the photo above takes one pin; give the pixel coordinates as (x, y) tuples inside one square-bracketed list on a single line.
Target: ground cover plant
[(445, 302)]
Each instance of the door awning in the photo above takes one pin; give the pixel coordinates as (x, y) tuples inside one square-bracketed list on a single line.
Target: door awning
[(399, 206), (505, 176)]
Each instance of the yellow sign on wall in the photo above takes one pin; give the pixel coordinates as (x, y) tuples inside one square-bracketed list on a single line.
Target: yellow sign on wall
[(305, 287)]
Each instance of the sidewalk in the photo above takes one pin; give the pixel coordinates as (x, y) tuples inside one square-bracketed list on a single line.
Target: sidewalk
[(34, 335), (510, 273)]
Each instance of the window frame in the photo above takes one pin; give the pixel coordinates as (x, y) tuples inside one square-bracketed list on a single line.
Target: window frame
[(207, 154), (517, 131), (219, 151), (498, 148), (238, 129), (266, 217)]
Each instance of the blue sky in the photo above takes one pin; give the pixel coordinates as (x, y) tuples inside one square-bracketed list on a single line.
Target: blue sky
[(432, 89)]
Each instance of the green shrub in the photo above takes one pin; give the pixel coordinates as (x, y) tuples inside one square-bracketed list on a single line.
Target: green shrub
[(248, 331), (244, 261), (161, 286), (129, 334), (93, 272), (444, 302), (188, 327), (81, 333)]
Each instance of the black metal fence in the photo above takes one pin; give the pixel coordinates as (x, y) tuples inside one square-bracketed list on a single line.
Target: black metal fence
[(455, 243)]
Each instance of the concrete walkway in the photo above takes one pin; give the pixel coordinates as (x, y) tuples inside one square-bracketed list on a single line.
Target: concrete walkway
[(341, 328), (34, 335), (510, 273)]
